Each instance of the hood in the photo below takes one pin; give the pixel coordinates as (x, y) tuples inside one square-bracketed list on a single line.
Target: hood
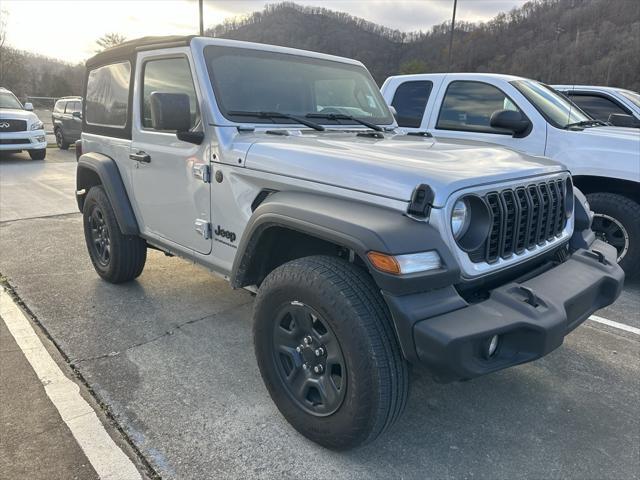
[(620, 134), (391, 167), (18, 114)]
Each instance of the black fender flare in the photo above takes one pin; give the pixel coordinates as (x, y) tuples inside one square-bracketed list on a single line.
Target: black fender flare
[(354, 225), (92, 165)]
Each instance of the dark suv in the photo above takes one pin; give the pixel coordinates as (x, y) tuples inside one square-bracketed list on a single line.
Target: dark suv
[(67, 121)]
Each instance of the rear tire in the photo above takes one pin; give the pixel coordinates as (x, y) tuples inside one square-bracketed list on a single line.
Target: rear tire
[(617, 222), (116, 257), (60, 140), (339, 308), (38, 154)]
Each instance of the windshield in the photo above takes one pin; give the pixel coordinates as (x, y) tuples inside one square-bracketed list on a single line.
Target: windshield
[(246, 80), (8, 100), (557, 109), (633, 97)]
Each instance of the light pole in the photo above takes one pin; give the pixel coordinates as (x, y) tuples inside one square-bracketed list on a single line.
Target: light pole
[(453, 23), (200, 2)]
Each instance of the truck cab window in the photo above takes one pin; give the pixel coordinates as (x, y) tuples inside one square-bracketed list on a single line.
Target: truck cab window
[(168, 75), (410, 101), (468, 106), (599, 107)]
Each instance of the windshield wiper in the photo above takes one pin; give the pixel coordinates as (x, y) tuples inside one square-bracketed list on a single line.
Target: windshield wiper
[(295, 118), (586, 123), (342, 116)]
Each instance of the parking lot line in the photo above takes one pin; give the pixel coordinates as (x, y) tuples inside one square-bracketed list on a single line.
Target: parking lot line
[(108, 460), (611, 323)]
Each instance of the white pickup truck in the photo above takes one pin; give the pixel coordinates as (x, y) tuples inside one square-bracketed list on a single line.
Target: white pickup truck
[(533, 118)]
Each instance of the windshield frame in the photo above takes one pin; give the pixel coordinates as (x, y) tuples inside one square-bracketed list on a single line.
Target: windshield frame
[(11, 95), (573, 107), (386, 121)]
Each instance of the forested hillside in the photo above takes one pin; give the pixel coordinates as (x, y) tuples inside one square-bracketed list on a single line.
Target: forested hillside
[(557, 41)]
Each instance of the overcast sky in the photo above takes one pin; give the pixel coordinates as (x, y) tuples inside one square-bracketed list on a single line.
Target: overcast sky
[(67, 29)]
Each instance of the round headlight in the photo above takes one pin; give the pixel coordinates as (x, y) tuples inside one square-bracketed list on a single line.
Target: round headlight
[(460, 218), (470, 222)]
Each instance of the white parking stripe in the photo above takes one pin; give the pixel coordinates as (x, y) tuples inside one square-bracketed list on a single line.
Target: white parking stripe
[(108, 460), (611, 323)]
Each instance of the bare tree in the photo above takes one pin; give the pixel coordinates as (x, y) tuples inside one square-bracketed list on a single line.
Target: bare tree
[(3, 26), (109, 40)]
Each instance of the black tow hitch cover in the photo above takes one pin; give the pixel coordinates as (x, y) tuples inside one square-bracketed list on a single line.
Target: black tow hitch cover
[(421, 201)]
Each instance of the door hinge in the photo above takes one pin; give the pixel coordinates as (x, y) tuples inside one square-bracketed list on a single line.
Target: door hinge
[(203, 228), (202, 171)]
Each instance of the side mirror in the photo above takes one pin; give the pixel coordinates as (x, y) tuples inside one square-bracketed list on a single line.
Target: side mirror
[(170, 111), (511, 120), (622, 120), (394, 112), (28, 106), (77, 114)]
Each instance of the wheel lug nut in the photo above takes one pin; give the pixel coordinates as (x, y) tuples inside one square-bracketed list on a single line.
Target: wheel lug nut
[(319, 352), (305, 366), (318, 369), (308, 340), (298, 349)]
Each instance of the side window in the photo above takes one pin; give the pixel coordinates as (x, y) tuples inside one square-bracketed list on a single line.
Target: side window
[(59, 107), (410, 101), (71, 107), (598, 107), (168, 75), (468, 105), (108, 95)]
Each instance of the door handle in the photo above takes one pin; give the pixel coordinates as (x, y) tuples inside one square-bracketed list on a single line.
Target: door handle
[(140, 157)]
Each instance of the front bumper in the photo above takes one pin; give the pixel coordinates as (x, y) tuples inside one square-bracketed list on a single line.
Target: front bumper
[(26, 140), (530, 321)]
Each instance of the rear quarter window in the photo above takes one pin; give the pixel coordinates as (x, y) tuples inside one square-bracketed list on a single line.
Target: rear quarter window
[(59, 106), (410, 102), (107, 96)]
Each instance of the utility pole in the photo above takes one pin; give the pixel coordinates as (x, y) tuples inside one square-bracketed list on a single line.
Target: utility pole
[(453, 24), (201, 19)]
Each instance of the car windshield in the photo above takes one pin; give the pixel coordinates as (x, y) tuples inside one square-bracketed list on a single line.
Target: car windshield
[(557, 109), (246, 80), (8, 100), (633, 97)]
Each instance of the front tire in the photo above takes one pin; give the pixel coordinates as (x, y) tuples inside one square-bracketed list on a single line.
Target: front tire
[(116, 257), (60, 140), (617, 222), (327, 351), (38, 154)]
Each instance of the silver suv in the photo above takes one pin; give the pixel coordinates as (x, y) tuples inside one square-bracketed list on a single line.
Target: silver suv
[(282, 171)]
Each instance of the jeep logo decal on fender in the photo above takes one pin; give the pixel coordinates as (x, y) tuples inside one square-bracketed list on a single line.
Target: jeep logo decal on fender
[(221, 232)]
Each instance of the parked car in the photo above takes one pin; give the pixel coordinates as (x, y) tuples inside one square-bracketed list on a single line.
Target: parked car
[(281, 170), (66, 118), (531, 117), (20, 128), (617, 106)]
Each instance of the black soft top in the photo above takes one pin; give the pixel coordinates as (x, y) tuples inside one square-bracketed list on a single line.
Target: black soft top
[(126, 50)]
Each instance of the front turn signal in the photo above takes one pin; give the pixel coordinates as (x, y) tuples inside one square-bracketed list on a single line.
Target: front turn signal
[(405, 264)]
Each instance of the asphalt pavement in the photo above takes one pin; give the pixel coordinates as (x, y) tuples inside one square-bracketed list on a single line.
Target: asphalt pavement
[(170, 358)]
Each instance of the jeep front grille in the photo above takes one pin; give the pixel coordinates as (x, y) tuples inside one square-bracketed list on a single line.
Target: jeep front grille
[(522, 218)]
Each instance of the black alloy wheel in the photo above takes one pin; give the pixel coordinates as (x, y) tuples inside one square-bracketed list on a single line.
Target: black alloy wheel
[(611, 231), (100, 237), (309, 359)]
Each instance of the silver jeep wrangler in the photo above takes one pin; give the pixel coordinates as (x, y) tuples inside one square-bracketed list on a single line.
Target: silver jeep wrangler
[(369, 250)]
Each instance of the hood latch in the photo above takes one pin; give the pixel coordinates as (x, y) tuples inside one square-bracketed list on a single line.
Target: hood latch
[(421, 201)]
